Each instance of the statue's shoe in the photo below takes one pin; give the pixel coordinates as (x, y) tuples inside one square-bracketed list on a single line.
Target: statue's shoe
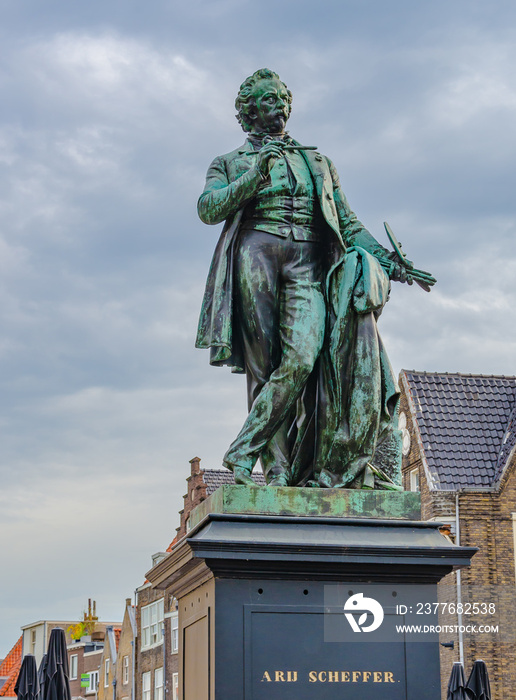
[(242, 475)]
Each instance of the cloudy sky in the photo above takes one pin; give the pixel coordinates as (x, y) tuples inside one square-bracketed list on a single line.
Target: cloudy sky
[(111, 112)]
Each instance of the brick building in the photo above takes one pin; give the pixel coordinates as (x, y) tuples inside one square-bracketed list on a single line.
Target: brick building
[(125, 665), (459, 452), (84, 658)]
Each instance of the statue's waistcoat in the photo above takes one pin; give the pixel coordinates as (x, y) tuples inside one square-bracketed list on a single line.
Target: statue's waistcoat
[(287, 204)]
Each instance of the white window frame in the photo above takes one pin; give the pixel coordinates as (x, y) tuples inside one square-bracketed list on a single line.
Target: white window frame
[(175, 686), (74, 666), (414, 479), (33, 641), (158, 683), (94, 682), (106, 673), (152, 624), (174, 633), (125, 670), (146, 685)]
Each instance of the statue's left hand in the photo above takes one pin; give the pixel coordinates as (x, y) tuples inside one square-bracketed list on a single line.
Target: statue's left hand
[(399, 273), (406, 272)]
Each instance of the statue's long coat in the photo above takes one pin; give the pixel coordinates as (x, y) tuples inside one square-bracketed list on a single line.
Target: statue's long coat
[(357, 393)]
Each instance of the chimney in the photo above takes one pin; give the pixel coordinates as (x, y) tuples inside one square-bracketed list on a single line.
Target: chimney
[(196, 465)]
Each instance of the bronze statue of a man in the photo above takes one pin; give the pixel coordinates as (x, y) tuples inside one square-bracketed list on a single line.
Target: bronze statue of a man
[(292, 297)]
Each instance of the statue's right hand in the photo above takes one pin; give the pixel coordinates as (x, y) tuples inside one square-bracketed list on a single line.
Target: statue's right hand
[(267, 155)]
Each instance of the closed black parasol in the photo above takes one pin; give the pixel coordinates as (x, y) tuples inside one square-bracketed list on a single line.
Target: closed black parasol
[(42, 671), (27, 685), (56, 684), (457, 684), (478, 681)]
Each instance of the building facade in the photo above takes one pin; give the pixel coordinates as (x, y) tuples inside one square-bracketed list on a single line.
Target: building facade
[(459, 452)]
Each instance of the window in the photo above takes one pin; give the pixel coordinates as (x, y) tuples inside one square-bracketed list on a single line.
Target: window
[(175, 686), (125, 670), (94, 682), (146, 686), (158, 684), (33, 642), (73, 667), (174, 632), (414, 480), (152, 622), (106, 673)]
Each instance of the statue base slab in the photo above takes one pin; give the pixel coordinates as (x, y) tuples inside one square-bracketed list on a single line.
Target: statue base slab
[(312, 502)]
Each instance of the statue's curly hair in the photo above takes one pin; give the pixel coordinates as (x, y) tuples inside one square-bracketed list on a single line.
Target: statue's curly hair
[(244, 102)]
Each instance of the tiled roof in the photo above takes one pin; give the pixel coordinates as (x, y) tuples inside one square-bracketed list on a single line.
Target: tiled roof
[(118, 632), (10, 667), (213, 478), (467, 424), (172, 544)]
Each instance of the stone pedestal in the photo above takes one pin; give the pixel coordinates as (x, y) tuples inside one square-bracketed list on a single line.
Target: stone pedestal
[(279, 591)]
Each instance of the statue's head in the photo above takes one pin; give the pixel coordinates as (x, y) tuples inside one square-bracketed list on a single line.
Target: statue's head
[(263, 102)]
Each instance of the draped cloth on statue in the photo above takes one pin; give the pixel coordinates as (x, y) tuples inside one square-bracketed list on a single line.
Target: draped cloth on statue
[(357, 406), (216, 324)]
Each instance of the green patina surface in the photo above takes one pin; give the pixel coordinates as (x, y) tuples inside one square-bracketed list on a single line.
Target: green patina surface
[(332, 503)]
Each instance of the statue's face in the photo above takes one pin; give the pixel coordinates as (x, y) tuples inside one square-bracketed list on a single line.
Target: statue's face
[(272, 107)]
